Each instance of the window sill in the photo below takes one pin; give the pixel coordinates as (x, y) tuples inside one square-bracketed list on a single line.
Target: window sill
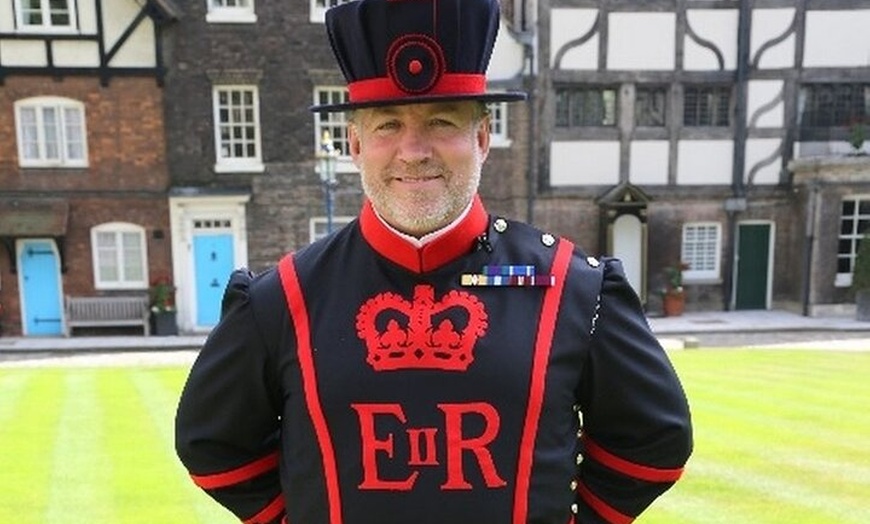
[(253, 167), (223, 17)]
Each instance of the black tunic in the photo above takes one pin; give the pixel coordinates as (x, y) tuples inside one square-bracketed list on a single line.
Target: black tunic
[(360, 382)]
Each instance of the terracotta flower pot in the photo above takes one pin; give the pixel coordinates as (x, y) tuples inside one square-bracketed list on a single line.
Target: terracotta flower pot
[(674, 304)]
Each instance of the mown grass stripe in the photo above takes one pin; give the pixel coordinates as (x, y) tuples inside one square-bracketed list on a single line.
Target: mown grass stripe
[(158, 391), (81, 470), (26, 441), (780, 437), (12, 385)]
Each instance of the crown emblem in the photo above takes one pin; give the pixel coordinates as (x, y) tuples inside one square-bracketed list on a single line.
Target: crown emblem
[(421, 333)]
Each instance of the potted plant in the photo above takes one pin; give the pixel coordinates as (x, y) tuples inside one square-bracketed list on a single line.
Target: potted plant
[(161, 296), (673, 294), (861, 280)]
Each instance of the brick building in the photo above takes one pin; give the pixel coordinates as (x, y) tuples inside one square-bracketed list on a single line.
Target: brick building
[(83, 174)]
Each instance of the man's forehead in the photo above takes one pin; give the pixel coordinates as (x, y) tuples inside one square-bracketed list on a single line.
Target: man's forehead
[(460, 106)]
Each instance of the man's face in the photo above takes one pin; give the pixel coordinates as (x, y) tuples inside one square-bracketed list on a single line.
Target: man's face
[(420, 163)]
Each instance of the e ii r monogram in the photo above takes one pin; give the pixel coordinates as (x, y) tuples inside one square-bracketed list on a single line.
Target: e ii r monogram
[(420, 444)]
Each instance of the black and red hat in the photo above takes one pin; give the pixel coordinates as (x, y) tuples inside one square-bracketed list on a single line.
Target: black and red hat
[(409, 51)]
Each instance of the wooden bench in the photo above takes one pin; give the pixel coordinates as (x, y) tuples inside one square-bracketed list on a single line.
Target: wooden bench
[(106, 312)]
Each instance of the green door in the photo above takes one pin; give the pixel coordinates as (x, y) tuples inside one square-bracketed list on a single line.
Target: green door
[(753, 266)]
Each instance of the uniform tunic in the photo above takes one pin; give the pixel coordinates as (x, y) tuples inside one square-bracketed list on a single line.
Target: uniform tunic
[(360, 382)]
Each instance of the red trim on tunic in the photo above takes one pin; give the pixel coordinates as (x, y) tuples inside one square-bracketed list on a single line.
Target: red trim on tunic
[(543, 344), (450, 84), (604, 509), (443, 249), (237, 475), (269, 513), (299, 316), (631, 469)]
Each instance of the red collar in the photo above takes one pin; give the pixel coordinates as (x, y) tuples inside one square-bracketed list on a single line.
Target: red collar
[(447, 247)]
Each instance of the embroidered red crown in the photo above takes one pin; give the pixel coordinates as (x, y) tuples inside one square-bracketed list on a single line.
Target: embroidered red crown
[(421, 333)]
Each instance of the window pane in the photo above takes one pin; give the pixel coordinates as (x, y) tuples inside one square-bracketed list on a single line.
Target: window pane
[(649, 108), (133, 263)]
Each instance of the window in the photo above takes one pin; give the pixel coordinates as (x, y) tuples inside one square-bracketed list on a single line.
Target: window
[(650, 107), (231, 11), (319, 8), (498, 127), (585, 107), (854, 224), (46, 15), (333, 123), (319, 226), (707, 106), (119, 255), (834, 105), (237, 129), (702, 243), (51, 132)]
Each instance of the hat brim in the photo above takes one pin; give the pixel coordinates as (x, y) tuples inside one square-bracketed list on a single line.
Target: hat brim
[(507, 96)]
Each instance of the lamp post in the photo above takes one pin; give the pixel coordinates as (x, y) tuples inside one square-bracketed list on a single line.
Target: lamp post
[(327, 158)]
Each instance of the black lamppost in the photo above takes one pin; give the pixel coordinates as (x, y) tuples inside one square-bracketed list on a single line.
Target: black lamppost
[(327, 158)]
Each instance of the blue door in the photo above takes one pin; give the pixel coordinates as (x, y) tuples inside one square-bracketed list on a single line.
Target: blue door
[(213, 263), (40, 288)]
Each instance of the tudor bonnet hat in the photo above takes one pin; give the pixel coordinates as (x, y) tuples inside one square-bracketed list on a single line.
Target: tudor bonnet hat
[(409, 51)]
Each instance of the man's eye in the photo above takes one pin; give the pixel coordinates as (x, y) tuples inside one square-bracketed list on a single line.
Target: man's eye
[(387, 126), (439, 122)]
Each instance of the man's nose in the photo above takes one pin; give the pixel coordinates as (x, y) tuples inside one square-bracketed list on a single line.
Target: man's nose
[(414, 145)]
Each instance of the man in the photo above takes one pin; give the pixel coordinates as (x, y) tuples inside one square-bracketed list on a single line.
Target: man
[(430, 363)]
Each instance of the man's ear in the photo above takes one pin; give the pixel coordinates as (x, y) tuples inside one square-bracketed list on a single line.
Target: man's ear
[(353, 142), (483, 137)]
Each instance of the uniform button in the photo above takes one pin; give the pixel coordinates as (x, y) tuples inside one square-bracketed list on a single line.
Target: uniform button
[(548, 239), (573, 485), (500, 225), (592, 261), (574, 508), (579, 458)]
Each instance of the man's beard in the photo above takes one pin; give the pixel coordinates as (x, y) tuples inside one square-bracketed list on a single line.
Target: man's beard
[(420, 212)]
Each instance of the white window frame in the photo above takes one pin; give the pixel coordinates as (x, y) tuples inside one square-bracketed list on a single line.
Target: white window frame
[(336, 124), (853, 236), (317, 225), (498, 125), (63, 131), (123, 282), (219, 12), (320, 7), (240, 164), (705, 274), (46, 26)]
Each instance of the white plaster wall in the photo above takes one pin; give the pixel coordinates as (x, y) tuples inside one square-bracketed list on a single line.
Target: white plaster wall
[(87, 14), (138, 50), (758, 149), (641, 41), (507, 57), (838, 38), (584, 163), (761, 92), (704, 162), (7, 24), (570, 24), (718, 26), (76, 54), (767, 24), (23, 53), (648, 164)]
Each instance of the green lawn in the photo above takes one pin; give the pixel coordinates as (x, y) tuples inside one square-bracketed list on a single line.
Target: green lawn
[(781, 437)]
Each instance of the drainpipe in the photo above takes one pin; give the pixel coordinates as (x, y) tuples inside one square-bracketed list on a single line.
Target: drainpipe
[(809, 245), (737, 203), (530, 80)]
